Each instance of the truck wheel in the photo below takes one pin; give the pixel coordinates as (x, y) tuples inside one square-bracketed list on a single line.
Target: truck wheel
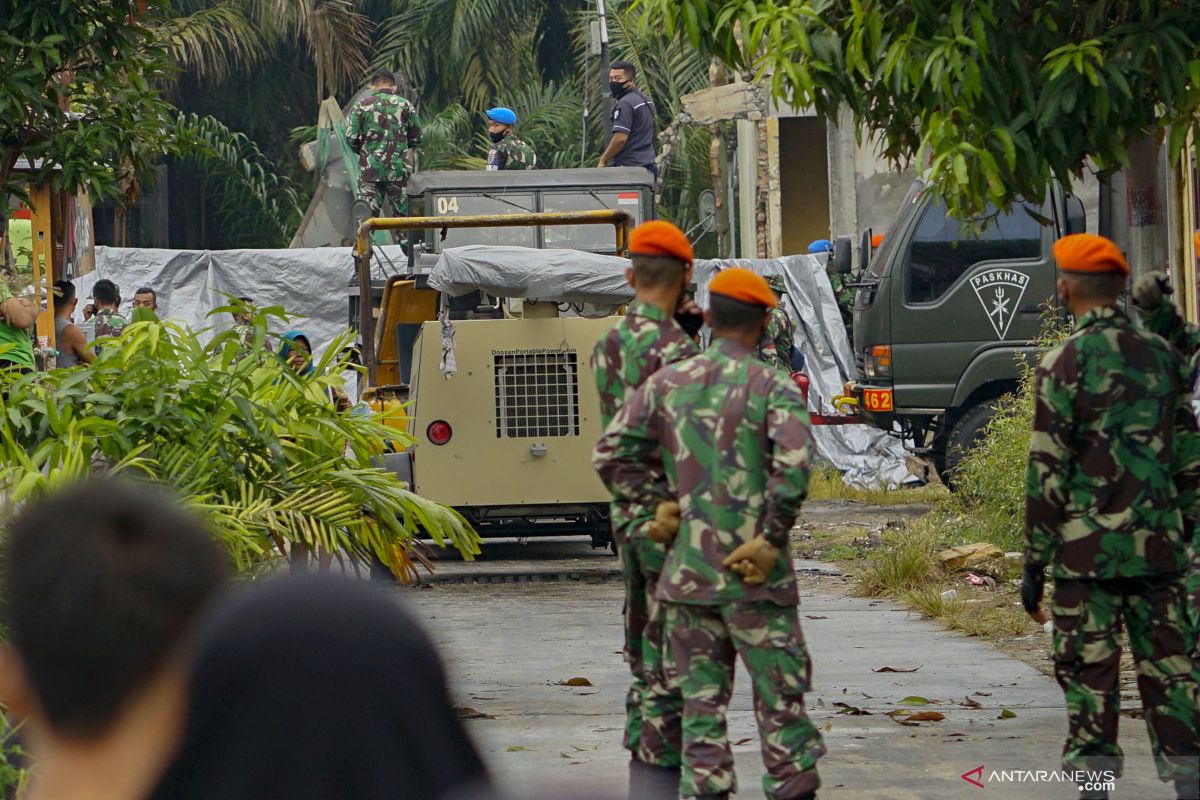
[(964, 434)]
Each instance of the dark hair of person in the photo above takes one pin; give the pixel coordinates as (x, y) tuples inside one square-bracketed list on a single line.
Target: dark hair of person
[(734, 315), (319, 687), (383, 76), (64, 292), (102, 582), (1103, 286), (656, 270), (105, 291), (149, 291), (627, 67)]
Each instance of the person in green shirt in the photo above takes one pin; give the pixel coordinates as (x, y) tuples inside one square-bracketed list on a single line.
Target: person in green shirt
[(16, 318)]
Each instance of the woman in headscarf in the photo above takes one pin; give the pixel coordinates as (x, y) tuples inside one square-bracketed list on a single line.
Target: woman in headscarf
[(319, 688), (295, 350)]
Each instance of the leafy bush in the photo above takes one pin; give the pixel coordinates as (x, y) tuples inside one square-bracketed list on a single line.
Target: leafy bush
[(990, 493), (257, 448)]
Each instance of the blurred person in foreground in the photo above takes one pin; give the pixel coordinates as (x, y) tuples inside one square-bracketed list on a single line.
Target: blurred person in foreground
[(102, 583), (318, 687)]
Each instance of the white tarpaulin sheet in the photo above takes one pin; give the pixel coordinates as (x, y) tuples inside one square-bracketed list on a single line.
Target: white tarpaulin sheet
[(567, 276), (312, 284), (866, 456)]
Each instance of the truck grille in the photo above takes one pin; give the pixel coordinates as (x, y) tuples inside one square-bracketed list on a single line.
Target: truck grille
[(537, 393)]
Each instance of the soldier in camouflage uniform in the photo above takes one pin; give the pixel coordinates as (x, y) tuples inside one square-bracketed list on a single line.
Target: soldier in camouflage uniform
[(380, 129), (647, 339), (728, 440), (106, 299), (1103, 510), (1162, 317), (508, 152), (842, 293), (775, 347)]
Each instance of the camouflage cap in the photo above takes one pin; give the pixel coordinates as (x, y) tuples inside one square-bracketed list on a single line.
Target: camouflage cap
[(776, 283)]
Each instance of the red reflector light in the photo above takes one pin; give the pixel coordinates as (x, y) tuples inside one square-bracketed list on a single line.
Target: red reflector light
[(439, 432)]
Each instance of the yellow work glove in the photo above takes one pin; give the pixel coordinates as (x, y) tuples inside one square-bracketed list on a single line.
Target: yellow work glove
[(753, 560), (665, 525)]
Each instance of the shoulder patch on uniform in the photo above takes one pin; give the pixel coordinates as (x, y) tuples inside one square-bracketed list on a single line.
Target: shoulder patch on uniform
[(616, 113)]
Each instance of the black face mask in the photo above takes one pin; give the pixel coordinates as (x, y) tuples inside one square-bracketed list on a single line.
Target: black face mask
[(617, 88), (497, 136)]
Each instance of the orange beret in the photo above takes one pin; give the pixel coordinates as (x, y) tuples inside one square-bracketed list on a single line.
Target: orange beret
[(1091, 254), (744, 285), (660, 238)]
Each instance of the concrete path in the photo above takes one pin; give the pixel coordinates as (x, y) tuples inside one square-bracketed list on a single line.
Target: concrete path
[(508, 645)]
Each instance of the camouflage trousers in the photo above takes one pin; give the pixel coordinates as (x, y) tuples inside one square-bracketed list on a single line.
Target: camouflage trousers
[(1088, 617), (373, 193), (703, 642), (652, 708)]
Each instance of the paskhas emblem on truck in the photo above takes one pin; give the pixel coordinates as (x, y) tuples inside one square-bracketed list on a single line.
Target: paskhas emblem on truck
[(1000, 292)]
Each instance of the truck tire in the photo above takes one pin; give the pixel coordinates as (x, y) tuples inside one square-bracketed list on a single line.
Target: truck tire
[(963, 435)]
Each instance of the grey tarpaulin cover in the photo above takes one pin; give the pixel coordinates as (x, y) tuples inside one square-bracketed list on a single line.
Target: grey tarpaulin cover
[(568, 276), (312, 284), (866, 456)]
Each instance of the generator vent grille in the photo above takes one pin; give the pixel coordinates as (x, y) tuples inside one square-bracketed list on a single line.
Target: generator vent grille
[(537, 393)]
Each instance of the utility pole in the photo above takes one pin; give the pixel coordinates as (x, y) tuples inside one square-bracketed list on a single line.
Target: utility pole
[(606, 100)]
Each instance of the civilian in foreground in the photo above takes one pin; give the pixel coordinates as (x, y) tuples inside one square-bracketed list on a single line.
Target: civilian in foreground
[(315, 688), (102, 583)]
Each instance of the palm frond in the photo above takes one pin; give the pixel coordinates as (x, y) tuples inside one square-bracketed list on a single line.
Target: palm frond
[(216, 41)]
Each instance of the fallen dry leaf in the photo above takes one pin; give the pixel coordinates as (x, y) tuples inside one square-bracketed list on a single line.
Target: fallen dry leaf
[(516, 748), (741, 742), (1006, 714), (969, 703), (814, 616), (574, 682), (898, 669), (466, 712), (915, 700), (853, 711), (925, 716), (983, 694)]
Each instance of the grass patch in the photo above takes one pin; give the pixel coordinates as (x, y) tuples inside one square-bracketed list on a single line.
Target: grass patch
[(842, 552), (827, 484), (989, 506), (975, 613)]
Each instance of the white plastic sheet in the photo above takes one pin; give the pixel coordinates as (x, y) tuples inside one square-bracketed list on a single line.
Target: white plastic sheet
[(312, 284), (567, 276), (867, 456)]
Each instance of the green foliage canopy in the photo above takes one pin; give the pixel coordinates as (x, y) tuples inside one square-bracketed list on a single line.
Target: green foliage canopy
[(80, 93), (260, 450), (1000, 96)]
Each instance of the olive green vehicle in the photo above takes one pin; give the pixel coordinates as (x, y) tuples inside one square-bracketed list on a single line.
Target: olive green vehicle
[(506, 439), (942, 319)]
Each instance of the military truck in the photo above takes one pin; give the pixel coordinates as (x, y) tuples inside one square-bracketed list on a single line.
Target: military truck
[(943, 316), (507, 437)]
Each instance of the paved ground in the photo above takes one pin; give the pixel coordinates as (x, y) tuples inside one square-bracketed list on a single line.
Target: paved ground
[(511, 639)]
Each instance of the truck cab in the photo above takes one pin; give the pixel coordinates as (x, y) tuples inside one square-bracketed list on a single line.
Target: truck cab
[(945, 314)]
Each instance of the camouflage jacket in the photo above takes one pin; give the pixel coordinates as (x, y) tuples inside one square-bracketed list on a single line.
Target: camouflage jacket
[(1167, 322), (381, 127), (843, 294), (511, 153), (642, 343), (775, 346), (109, 323), (728, 438), (1101, 498)]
